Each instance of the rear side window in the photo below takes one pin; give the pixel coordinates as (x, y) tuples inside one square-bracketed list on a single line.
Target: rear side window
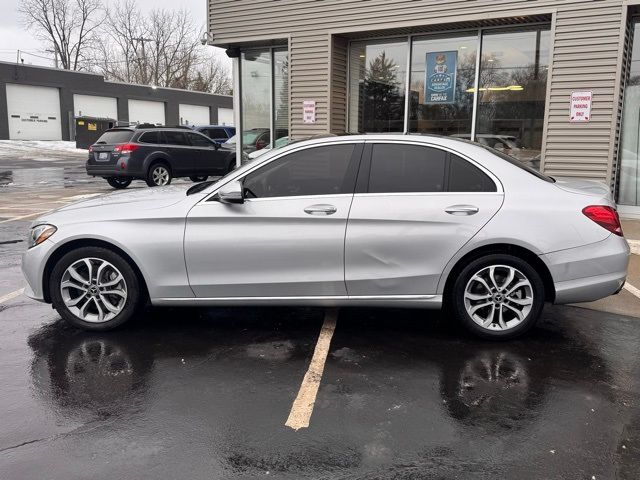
[(465, 177), (151, 137), (113, 137), (406, 168), (313, 171), (175, 138)]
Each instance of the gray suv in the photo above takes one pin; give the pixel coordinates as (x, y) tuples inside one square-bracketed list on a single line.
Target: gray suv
[(156, 155)]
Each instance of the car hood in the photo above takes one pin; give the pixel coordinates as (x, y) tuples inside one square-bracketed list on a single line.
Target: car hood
[(122, 204)]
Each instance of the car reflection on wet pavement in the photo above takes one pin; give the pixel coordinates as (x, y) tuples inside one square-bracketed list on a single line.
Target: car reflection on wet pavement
[(204, 393)]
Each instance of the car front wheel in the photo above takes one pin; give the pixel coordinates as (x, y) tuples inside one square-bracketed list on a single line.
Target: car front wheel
[(498, 296), (159, 175), (119, 182), (94, 288)]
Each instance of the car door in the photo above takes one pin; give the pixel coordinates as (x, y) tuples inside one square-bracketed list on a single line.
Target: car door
[(181, 152), (415, 206), (287, 238), (206, 157)]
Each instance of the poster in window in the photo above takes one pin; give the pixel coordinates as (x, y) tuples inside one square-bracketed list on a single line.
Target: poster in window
[(440, 78)]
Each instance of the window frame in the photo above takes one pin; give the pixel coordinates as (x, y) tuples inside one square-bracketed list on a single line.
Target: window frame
[(362, 182)]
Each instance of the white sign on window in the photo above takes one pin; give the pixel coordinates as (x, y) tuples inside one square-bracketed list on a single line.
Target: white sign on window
[(580, 106), (309, 111)]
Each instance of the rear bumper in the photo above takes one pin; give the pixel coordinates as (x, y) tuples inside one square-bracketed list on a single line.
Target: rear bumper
[(590, 272)]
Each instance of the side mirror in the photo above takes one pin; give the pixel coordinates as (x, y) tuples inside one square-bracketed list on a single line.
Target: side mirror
[(231, 193)]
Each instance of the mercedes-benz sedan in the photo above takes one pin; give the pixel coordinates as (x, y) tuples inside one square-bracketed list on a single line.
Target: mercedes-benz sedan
[(376, 220)]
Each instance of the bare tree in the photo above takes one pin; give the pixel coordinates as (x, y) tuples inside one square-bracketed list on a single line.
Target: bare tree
[(162, 48), (68, 25)]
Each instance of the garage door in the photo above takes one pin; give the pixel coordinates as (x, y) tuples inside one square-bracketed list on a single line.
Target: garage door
[(194, 114), (34, 112), (95, 106), (146, 111), (225, 116)]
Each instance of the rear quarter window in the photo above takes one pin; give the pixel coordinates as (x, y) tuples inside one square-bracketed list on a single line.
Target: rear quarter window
[(466, 177), (150, 137)]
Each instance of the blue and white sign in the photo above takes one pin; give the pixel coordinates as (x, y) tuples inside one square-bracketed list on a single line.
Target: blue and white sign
[(440, 78)]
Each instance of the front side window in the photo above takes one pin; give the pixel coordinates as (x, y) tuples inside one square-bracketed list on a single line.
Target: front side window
[(314, 171), (406, 168), (199, 140), (175, 138)]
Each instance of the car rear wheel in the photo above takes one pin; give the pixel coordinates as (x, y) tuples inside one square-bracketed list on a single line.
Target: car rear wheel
[(159, 175), (498, 296), (119, 182), (198, 178), (94, 288)]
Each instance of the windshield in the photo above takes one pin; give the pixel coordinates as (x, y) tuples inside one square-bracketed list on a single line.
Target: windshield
[(248, 138), (113, 137)]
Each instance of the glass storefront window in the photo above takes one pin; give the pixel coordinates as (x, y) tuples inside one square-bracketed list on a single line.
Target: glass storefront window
[(629, 151), (443, 108), (512, 92), (281, 96), (255, 68), (377, 77)]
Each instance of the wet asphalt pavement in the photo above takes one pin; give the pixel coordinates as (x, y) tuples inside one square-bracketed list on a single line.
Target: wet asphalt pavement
[(405, 394)]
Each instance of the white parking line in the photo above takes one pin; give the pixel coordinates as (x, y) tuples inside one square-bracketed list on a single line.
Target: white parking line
[(631, 289), (302, 407), (11, 296), (13, 219)]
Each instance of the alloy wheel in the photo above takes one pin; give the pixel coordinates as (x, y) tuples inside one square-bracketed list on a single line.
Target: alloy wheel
[(498, 297), (160, 175), (93, 290)]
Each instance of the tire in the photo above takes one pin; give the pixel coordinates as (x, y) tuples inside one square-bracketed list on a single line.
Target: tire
[(159, 175), (80, 300), (119, 182), (494, 313), (198, 178)]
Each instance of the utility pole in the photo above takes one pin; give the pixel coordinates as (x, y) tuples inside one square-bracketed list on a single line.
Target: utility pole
[(144, 57), (55, 54)]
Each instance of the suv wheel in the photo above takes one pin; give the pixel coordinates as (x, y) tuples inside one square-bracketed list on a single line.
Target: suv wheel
[(159, 175), (119, 182), (94, 288), (498, 296), (198, 178)]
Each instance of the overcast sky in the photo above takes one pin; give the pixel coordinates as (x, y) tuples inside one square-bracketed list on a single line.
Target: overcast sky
[(13, 35)]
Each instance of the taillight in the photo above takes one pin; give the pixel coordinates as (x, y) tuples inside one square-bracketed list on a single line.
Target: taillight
[(125, 148), (90, 148), (604, 216)]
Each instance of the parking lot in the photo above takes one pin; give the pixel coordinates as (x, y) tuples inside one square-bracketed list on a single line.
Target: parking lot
[(303, 393)]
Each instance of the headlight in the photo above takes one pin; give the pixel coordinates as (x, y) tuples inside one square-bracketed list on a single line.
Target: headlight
[(40, 233)]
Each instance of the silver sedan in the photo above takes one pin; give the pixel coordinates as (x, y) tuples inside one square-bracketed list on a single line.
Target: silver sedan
[(376, 220)]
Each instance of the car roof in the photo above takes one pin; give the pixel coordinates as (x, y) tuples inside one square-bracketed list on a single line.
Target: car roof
[(214, 126)]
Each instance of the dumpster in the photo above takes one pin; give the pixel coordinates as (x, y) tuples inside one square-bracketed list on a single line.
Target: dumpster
[(89, 129)]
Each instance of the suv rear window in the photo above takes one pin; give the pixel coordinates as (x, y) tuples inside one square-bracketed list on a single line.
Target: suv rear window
[(112, 137)]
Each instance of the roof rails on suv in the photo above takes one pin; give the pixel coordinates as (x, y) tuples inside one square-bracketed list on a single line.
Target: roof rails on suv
[(142, 126)]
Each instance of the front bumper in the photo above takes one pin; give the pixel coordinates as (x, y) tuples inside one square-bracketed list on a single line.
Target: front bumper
[(33, 263), (590, 272)]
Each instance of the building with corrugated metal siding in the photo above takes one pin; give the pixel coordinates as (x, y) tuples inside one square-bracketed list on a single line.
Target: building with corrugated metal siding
[(500, 73)]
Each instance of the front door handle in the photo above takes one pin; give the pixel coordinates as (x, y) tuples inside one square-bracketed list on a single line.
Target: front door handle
[(321, 209), (462, 210)]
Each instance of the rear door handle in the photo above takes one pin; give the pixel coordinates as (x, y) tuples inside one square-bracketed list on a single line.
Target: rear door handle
[(321, 209), (462, 210)]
